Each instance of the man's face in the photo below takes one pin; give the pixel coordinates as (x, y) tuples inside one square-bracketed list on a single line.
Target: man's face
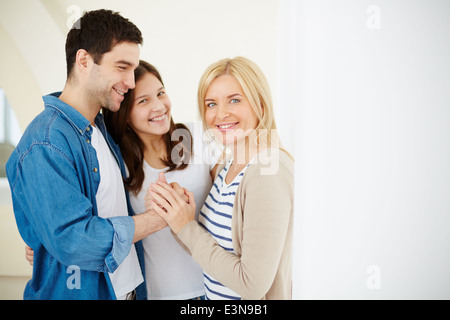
[(109, 80)]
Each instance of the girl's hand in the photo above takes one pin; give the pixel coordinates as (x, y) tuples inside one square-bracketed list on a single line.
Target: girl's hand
[(172, 206), (29, 254)]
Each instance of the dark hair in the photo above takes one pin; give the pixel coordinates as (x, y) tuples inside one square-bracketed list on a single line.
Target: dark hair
[(98, 32), (131, 145)]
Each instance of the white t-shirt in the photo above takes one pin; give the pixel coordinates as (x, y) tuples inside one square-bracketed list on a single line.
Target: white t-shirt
[(170, 272), (111, 202)]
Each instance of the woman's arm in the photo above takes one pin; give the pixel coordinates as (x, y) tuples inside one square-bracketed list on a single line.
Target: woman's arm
[(267, 208)]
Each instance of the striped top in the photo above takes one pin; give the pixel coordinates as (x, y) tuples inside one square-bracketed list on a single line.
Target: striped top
[(215, 217)]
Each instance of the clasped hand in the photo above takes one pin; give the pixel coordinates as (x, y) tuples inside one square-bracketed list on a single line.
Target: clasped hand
[(173, 203)]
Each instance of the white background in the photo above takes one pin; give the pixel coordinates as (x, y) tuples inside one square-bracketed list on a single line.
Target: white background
[(373, 149), (362, 98)]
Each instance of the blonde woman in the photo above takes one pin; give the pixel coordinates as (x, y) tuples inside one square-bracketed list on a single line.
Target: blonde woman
[(243, 239)]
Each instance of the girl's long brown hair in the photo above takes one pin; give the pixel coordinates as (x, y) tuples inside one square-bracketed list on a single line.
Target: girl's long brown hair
[(131, 146)]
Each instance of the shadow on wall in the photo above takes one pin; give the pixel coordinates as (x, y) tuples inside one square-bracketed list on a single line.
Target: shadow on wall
[(6, 149), (9, 133)]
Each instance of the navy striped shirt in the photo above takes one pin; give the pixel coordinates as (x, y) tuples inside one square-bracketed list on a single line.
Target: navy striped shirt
[(215, 217)]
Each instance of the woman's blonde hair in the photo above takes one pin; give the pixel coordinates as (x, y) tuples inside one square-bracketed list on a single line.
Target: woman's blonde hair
[(256, 89)]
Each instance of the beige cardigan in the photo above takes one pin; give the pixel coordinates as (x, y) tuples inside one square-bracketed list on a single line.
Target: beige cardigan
[(262, 222)]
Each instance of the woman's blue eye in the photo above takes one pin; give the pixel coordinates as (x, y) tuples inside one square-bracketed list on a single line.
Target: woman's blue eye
[(234, 101), (210, 105)]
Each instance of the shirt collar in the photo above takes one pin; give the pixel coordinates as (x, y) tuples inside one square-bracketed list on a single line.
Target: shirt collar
[(80, 123)]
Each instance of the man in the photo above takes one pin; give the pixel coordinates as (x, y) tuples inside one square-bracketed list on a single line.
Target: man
[(65, 174)]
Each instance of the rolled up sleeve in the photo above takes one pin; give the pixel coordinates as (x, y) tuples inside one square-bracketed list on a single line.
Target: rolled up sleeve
[(122, 242)]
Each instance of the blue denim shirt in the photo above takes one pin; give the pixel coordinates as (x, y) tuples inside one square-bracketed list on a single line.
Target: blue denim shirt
[(54, 176)]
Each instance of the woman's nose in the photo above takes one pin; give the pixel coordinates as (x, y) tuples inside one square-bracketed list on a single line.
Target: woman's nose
[(222, 112)]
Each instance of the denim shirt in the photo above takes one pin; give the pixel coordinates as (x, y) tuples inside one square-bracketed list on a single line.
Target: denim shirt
[(54, 176)]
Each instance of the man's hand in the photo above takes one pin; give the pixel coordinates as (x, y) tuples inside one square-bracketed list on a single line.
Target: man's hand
[(147, 223)]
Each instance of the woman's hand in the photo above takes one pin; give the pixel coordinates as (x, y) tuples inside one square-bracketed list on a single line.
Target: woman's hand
[(171, 205), (175, 186), (29, 254)]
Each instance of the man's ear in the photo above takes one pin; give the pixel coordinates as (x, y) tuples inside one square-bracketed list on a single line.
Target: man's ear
[(82, 60)]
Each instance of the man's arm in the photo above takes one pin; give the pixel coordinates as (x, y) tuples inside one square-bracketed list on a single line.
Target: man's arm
[(146, 224)]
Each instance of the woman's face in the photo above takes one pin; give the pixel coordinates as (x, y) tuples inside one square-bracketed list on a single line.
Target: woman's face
[(228, 112), (150, 112)]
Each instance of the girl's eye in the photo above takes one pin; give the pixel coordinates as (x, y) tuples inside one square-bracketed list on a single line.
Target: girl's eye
[(161, 93), (234, 101), (142, 101), (210, 105)]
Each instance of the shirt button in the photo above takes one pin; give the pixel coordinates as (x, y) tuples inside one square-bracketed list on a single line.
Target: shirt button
[(88, 141), (88, 128), (95, 169)]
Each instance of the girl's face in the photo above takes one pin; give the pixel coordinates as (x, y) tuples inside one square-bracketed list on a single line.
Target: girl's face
[(150, 112), (228, 111)]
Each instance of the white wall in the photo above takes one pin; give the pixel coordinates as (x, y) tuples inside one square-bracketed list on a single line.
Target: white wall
[(373, 137), (181, 38)]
